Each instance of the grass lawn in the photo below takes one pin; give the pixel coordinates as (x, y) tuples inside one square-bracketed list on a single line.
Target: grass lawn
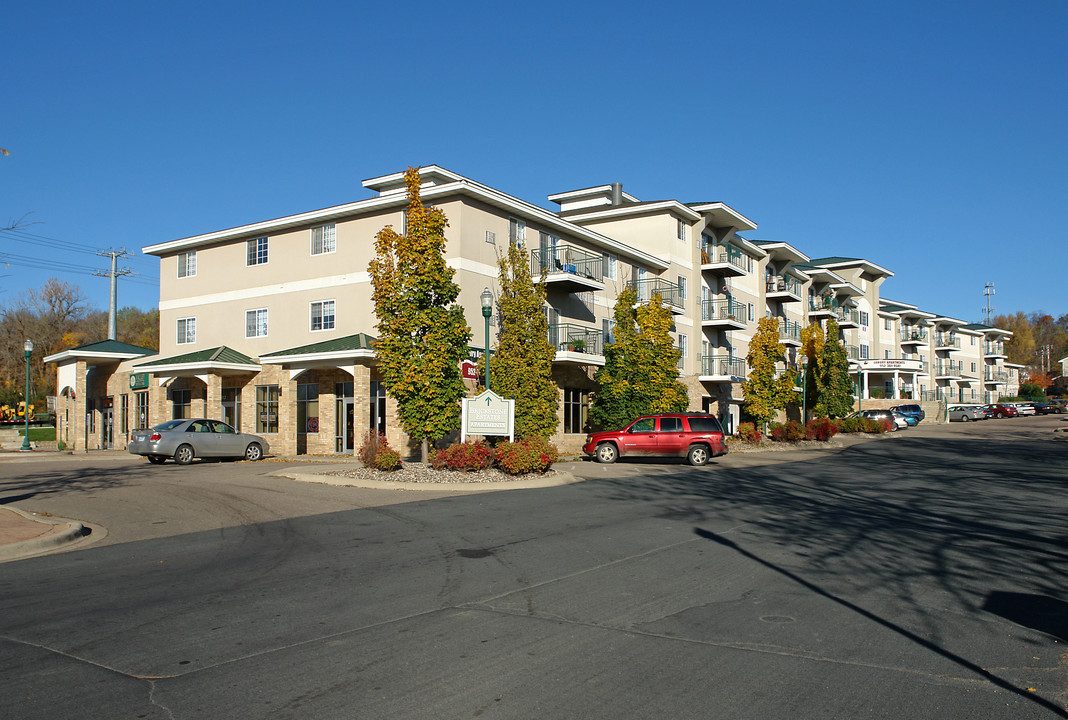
[(45, 434)]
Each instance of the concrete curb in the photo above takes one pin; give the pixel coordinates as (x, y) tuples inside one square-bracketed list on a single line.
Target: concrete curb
[(560, 478), (62, 532)]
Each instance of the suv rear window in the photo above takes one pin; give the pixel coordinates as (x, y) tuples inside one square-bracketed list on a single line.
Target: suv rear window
[(705, 424), (670, 424)]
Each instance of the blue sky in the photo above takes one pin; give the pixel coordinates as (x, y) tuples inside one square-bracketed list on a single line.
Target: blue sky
[(927, 137)]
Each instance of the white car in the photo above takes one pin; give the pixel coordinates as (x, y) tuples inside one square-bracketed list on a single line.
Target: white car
[(1024, 408)]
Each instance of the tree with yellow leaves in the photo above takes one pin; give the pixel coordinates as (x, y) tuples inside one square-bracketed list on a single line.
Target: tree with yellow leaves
[(765, 390)]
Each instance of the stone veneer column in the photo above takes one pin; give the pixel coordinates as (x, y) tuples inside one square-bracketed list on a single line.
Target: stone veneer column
[(287, 413), (213, 396), (78, 426), (361, 398)]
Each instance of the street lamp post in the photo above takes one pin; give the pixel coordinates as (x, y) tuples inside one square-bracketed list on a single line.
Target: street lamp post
[(487, 310), (28, 349), (804, 377)]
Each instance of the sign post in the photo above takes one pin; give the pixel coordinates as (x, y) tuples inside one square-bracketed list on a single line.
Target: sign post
[(487, 414)]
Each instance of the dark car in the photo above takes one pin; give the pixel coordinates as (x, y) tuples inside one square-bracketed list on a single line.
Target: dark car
[(1002, 411), (911, 411), (698, 437), (199, 437), (1041, 408)]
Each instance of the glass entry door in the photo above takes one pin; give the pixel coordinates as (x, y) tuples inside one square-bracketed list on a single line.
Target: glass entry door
[(107, 440), (345, 425)]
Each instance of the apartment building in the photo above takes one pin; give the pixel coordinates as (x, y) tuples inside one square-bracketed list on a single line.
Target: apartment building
[(271, 327)]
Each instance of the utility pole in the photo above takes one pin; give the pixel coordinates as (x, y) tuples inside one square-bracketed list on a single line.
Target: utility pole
[(988, 310), (114, 273)]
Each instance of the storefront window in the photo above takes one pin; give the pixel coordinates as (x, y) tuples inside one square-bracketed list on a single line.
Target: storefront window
[(576, 409), (308, 408), (140, 410), (267, 408), (181, 400)]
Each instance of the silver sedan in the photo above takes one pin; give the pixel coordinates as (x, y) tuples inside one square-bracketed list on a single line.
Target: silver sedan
[(186, 439)]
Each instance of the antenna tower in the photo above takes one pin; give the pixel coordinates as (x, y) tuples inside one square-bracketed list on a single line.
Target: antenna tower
[(114, 274), (988, 291)]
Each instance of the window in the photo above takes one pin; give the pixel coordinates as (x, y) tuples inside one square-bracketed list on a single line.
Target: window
[(864, 318), (576, 409), (267, 408), (607, 326), (751, 312), (491, 237), (90, 410), (973, 367), (322, 315), (307, 408), (888, 324), (181, 400), (863, 352), (256, 252), (670, 424), (973, 342), (256, 323), (517, 231), (124, 414), (680, 229), (140, 410), (682, 287), (609, 266), (684, 342), (187, 264), (187, 331), (886, 354), (323, 239)]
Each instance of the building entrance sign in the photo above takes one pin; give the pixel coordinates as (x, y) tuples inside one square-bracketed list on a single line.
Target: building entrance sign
[(487, 414)]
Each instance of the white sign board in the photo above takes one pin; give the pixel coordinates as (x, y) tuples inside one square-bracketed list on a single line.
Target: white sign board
[(892, 364), (487, 414)]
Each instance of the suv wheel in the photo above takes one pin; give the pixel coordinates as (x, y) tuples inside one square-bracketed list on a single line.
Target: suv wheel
[(607, 453), (697, 455)]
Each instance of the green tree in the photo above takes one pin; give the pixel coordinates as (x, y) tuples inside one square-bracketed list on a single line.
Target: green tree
[(836, 387), (422, 331), (640, 373), (522, 366), (812, 346), (765, 390)]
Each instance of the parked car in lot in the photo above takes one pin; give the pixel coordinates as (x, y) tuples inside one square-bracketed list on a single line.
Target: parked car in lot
[(184, 440), (1024, 408), (1058, 405), (910, 411), (897, 420), (964, 413), (698, 437), (1002, 411), (1041, 408)]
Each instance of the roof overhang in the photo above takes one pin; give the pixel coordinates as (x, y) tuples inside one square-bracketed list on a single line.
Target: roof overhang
[(865, 265), (783, 251), (722, 215), (108, 357), (331, 358), (199, 368), (648, 208)]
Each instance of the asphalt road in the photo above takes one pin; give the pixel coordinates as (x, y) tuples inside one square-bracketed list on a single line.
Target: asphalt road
[(920, 576)]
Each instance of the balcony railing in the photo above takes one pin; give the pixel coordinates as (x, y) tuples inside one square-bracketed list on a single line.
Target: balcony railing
[(713, 253), (993, 348), (995, 377), (789, 330), (723, 366), (946, 340), (948, 369), (567, 259), (728, 309), (913, 334), (568, 337), (848, 315), (668, 290), (823, 303), (783, 283), (852, 352), (939, 395)]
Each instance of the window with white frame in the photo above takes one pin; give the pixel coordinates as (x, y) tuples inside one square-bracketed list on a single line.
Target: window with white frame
[(187, 330), (256, 252), (187, 264), (864, 352), (256, 323), (323, 239), (322, 315), (608, 266), (680, 229), (608, 330), (887, 324), (864, 318), (682, 287), (517, 231), (684, 343), (491, 237), (886, 354), (751, 316)]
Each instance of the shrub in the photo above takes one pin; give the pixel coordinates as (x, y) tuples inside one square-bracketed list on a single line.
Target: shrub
[(466, 457), (854, 424), (526, 456), (787, 432), (822, 429), (376, 453), (747, 431)]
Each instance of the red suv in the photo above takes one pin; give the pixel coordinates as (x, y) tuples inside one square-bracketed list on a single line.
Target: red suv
[(695, 436)]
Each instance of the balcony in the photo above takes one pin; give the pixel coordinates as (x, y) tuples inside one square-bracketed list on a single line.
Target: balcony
[(723, 314), (722, 368), (577, 344), (723, 259), (822, 306), (995, 377), (948, 370), (913, 335), (789, 332), (568, 268), (783, 288), (669, 292), (945, 395), (852, 352), (848, 317), (947, 341), (994, 349)]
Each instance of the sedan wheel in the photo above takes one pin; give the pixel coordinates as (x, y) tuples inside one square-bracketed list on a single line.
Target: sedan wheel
[(698, 455), (964, 418), (183, 455), (607, 453), (253, 452)]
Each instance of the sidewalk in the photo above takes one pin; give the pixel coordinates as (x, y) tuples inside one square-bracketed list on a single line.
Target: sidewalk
[(25, 534)]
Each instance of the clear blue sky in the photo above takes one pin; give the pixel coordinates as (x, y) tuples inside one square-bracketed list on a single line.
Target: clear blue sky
[(928, 137)]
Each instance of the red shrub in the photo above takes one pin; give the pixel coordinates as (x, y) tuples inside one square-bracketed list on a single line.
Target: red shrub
[(747, 431), (821, 429), (467, 457)]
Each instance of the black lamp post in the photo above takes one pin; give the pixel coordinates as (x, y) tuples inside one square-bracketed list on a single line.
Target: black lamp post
[(28, 349), (804, 377), (487, 310)]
